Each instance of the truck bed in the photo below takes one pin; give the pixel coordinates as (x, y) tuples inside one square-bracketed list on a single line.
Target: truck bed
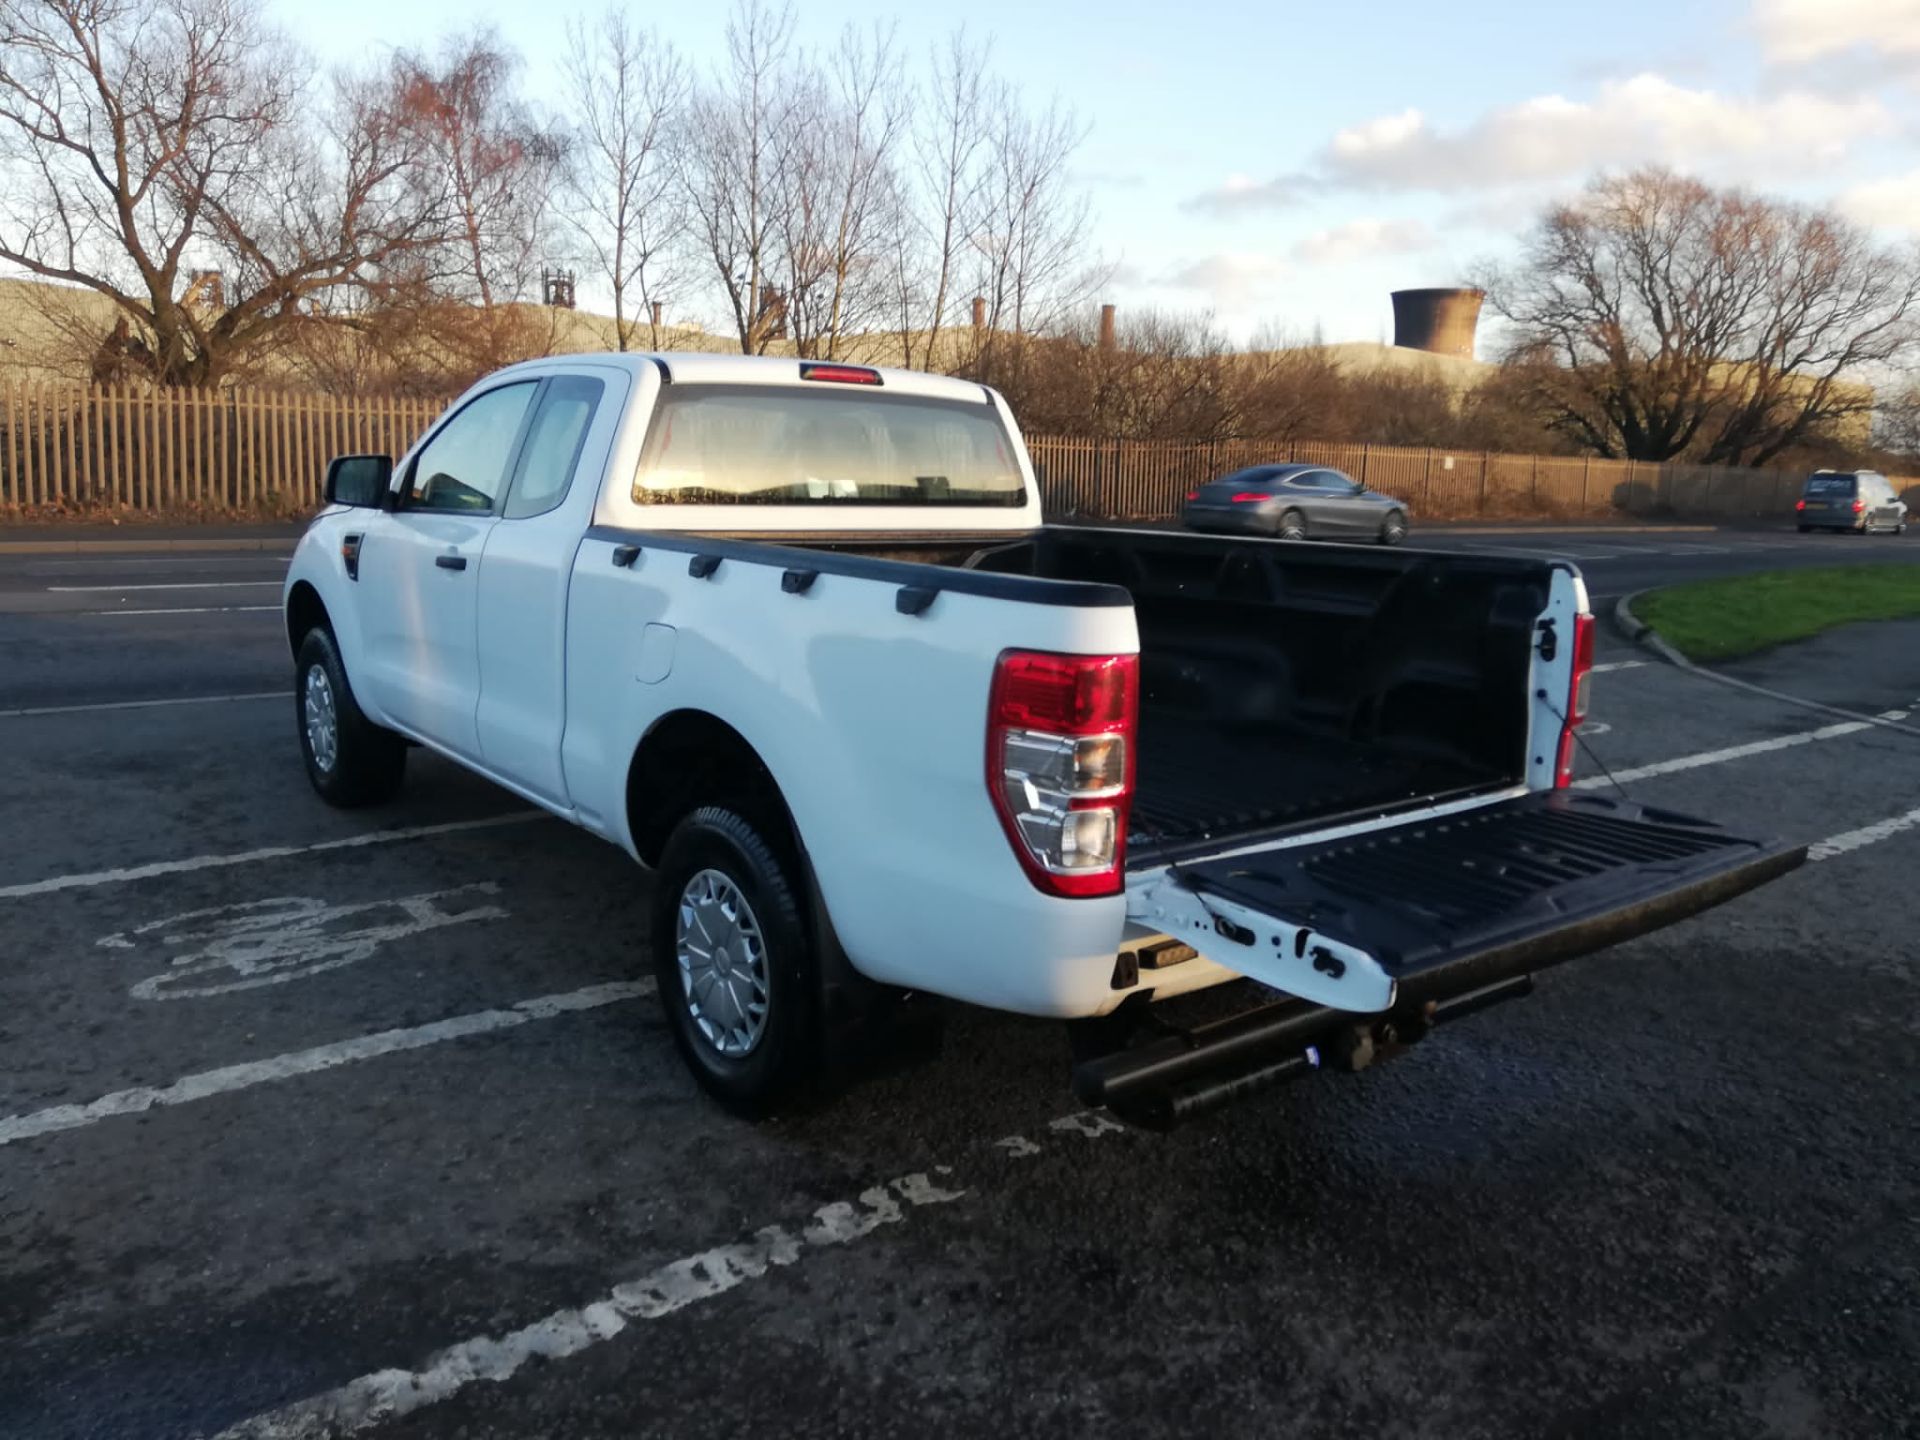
[(1289, 687), (1194, 788)]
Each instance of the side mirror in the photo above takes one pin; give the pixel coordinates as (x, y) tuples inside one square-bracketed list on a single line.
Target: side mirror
[(359, 480)]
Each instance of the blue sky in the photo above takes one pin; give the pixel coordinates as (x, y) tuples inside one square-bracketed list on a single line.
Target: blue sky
[(1288, 164)]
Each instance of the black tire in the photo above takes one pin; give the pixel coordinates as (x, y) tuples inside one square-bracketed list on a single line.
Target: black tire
[(781, 1064), (368, 762), (1804, 529), (1291, 526), (1394, 528)]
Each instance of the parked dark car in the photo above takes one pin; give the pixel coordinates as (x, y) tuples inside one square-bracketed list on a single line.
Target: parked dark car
[(1859, 500), (1296, 502)]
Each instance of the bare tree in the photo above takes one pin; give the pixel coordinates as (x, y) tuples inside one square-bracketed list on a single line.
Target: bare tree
[(948, 146), (141, 142), (838, 192), (629, 208), (1032, 244), (732, 159), (499, 164), (1660, 318)]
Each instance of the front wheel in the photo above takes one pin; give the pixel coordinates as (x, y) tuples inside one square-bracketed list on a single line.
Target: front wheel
[(1292, 526), (1394, 529), (350, 760), (735, 962)]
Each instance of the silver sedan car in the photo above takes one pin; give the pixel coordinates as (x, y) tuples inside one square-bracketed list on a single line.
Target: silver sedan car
[(1296, 502)]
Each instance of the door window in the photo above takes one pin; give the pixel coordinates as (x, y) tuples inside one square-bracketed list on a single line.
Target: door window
[(552, 450), (462, 467)]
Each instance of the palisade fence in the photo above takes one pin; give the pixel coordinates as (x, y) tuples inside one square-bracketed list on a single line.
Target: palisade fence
[(257, 451)]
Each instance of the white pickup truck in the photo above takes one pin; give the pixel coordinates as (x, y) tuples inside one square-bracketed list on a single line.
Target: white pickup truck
[(795, 636)]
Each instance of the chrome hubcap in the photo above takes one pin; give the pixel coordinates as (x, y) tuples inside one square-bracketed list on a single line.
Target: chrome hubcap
[(323, 723), (722, 958)]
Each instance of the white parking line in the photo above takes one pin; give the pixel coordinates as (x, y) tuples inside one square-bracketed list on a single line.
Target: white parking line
[(1866, 835), (95, 878), (169, 585), (1734, 752), (385, 1395), (1616, 665), (143, 704), (179, 610), (229, 1078)]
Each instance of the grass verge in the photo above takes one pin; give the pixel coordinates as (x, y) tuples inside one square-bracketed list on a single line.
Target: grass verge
[(1719, 619)]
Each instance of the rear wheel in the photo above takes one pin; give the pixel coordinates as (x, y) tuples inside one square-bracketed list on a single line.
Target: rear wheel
[(350, 760), (1292, 526), (1394, 529), (735, 962), (1804, 529)]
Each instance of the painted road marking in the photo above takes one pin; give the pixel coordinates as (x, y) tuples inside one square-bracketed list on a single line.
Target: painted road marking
[(1866, 835), (385, 1395), (269, 942), (95, 878), (167, 585), (1612, 665), (1734, 752), (143, 704), (174, 610), (229, 1078)]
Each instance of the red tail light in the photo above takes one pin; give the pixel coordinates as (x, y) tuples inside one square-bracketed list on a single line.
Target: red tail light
[(1576, 699), (1193, 494), (843, 374), (1799, 504), (1858, 506), (1251, 497), (1060, 742)]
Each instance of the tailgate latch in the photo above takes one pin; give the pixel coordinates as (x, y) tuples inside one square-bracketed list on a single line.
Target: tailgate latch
[(1269, 948)]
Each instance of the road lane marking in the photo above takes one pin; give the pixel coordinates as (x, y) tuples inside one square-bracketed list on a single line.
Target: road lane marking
[(172, 610), (1849, 840), (168, 585), (269, 942), (230, 1078), (1733, 752), (143, 704), (94, 878), (1616, 665), (386, 1395)]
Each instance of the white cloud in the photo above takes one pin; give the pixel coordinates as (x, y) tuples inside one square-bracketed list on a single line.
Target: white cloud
[(1360, 239), (1894, 201), (1232, 280), (1645, 119), (1796, 32)]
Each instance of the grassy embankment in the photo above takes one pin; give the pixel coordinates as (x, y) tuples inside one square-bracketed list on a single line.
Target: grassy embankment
[(1719, 619)]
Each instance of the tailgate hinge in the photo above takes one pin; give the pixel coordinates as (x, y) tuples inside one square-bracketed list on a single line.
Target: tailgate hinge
[(1293, 958)]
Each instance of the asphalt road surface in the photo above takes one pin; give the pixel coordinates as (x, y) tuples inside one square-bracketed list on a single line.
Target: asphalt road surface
[(315, 1123)]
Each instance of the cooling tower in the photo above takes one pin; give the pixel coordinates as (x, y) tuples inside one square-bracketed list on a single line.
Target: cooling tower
[(1442, 321)]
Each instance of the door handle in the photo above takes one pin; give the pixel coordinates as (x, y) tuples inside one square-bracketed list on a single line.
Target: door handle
[(451, 562)]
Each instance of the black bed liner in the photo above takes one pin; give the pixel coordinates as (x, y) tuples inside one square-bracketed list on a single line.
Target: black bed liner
[(1196, 790)]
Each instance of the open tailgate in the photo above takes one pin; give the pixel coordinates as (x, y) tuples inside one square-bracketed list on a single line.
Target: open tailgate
[(1377, 937), (1433, 908)]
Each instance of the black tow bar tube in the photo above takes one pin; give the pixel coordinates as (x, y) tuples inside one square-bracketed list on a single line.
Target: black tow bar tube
[(1183, 1073)]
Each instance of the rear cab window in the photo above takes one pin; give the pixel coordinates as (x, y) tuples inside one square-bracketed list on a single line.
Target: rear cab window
[(754, 445), (1831, 485)]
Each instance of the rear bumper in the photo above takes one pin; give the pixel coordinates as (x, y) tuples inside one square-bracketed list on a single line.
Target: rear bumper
[(1228, 520)]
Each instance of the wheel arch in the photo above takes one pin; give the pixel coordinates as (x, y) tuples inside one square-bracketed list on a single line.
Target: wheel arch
[(690, 758), (305, 610)]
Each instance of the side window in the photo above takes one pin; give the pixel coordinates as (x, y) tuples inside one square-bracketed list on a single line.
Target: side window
[(554, 441), (463, 466)]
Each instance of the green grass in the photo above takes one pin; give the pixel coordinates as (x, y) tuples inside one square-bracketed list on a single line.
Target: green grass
[(1718, 619)]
